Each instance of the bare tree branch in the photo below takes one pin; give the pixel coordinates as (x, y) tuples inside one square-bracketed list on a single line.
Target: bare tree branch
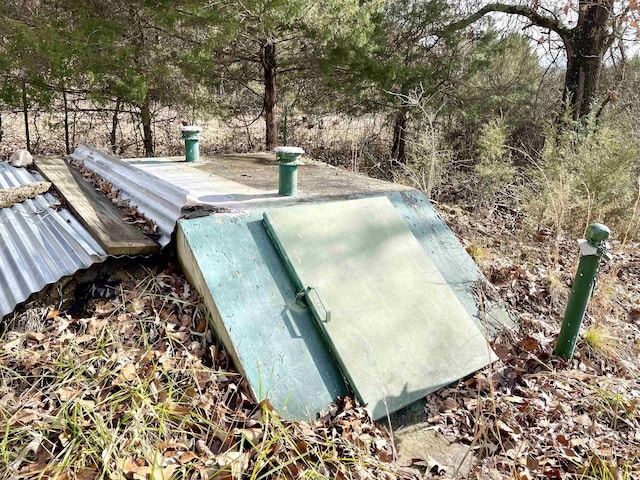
[(532, 15)]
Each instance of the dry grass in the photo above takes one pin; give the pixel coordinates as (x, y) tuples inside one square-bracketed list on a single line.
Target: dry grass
[(357, 144), (137, 389), (478, 252), (599, 338), (533, 415)]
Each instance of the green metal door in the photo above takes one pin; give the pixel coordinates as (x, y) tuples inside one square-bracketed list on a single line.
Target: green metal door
[(392, 322)]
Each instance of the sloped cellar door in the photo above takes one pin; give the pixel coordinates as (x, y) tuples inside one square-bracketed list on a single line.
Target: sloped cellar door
[(391, 320)]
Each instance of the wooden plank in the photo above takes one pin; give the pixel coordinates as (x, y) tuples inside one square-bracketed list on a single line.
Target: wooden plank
[(95, 211), (452, 261), (395, 325)]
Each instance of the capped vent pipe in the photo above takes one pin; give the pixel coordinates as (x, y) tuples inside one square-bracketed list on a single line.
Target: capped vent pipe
[(191, 137), (289, 158)]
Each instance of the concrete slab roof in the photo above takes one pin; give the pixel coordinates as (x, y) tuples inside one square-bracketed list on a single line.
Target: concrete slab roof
[(168, 188), (248, 181)]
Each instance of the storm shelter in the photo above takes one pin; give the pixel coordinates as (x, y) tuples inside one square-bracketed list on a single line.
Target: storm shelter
[(352, 285), (313, 300)]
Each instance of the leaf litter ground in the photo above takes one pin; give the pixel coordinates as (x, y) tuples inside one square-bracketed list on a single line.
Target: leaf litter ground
[(132, 384), (531, 414), (136, 387)]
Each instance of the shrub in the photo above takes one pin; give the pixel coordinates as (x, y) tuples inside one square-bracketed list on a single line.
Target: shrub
[(586, 173), (494, 170), (427, 154)]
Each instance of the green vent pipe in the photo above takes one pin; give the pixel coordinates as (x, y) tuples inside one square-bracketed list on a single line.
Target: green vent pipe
[(289, 158), (191, 137)]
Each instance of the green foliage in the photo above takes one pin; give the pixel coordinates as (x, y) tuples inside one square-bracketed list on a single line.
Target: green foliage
[(228, 43), (400, 54), (500, 78), (494, 170), (586, 173)]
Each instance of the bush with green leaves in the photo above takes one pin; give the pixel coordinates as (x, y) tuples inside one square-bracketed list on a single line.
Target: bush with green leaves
[(494, 171), (586, 172)]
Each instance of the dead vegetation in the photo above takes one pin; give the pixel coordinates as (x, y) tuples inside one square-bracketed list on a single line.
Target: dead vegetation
[(134, 385), (533, 415), (11, 196), (136, 388)]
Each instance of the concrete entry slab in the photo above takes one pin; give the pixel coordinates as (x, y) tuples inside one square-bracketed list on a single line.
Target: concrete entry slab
[(250, 181), (168, 188), (394, 324)]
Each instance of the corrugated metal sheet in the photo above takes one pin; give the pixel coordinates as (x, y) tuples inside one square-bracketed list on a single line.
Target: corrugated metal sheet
[(38, 244), (157, 199)]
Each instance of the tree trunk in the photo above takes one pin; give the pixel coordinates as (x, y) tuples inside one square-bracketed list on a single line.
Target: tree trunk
[(114, 127), (585, 51), (585, 44), (66, 120), (141, 62), (269, 66), (145, 115), (400, 136), (25, 112)]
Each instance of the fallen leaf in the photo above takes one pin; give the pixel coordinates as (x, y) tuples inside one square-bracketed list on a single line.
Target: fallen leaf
[(163, 473), (171, 445), (252, 435), (128, 373), (37, 336), (136, 306), (583, 420), (529, 344), (187, 457), (31, 447)]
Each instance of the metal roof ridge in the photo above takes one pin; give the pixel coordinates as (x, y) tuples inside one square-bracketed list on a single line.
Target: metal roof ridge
[(158, 199)]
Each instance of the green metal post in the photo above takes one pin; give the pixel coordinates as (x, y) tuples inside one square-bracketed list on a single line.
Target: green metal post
[(592, 249), (289, 158), (191, 137)]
